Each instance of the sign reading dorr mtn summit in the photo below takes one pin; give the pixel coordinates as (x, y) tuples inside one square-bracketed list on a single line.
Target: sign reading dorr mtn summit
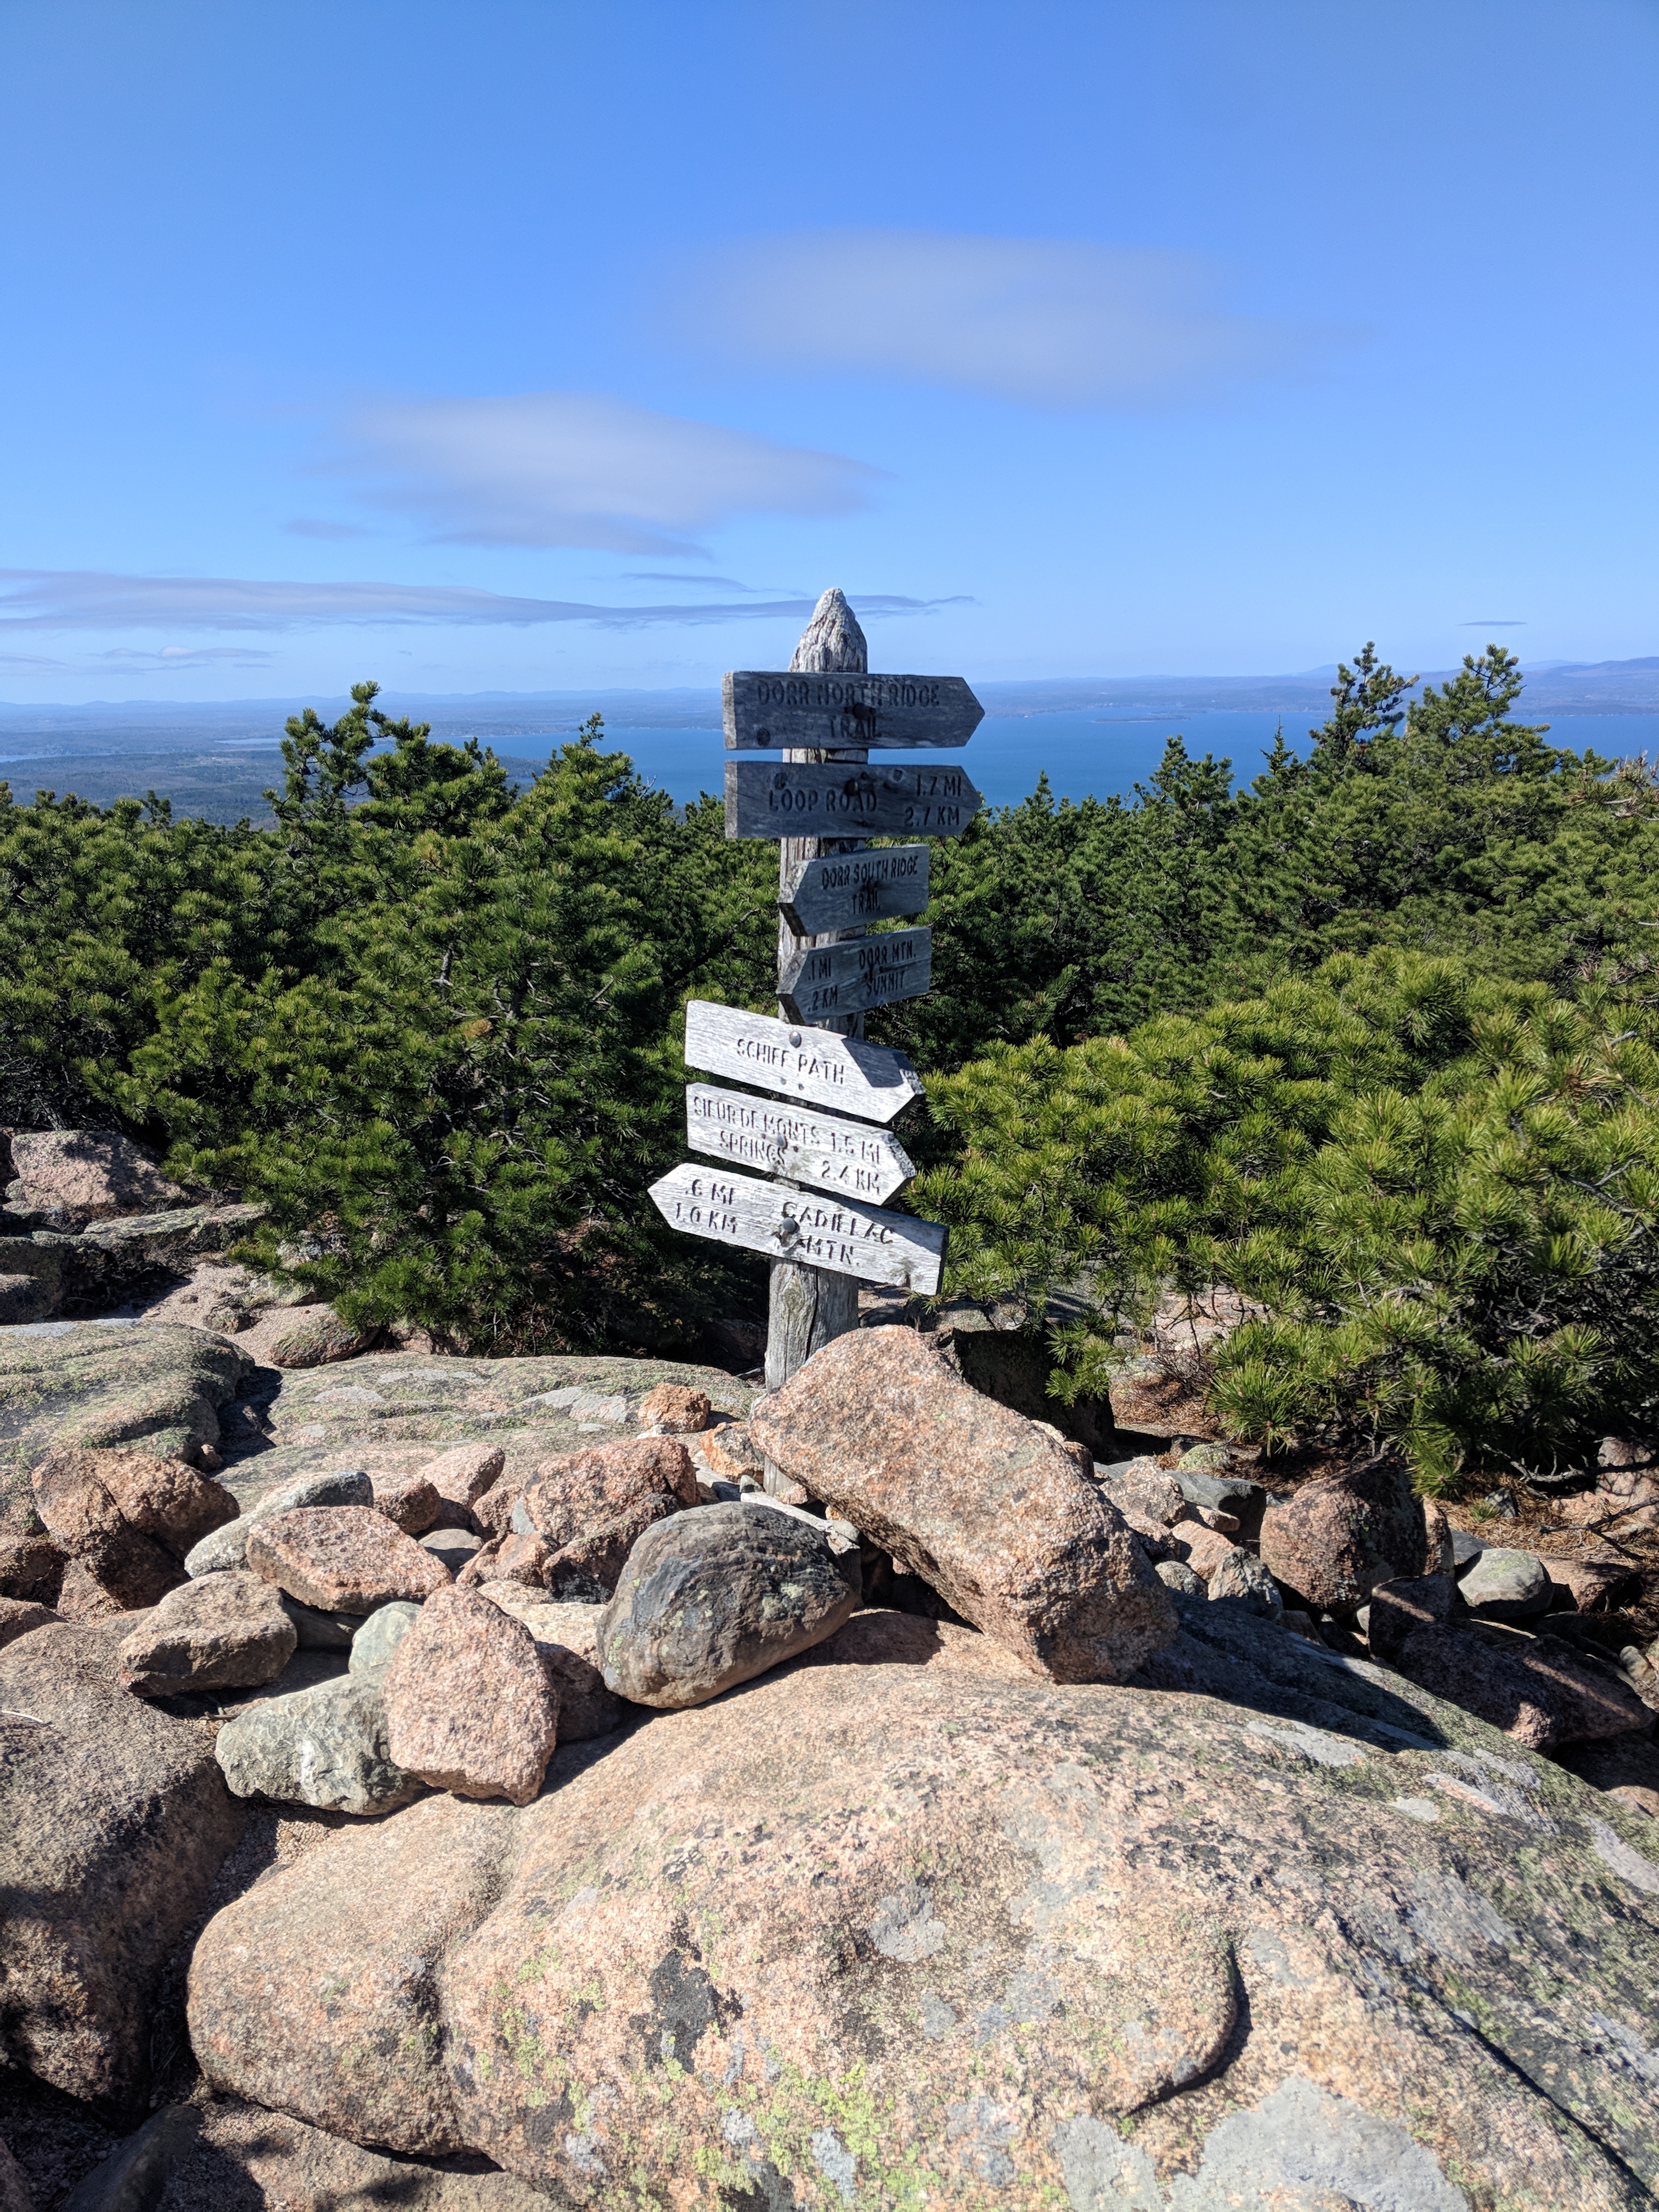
[(821, 1219)]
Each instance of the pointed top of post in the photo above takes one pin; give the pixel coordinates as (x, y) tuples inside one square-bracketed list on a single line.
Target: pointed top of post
[(832, 643)]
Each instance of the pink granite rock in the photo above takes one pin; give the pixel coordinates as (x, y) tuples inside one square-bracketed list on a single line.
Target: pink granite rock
[(465, 1473), (410, 1501), (220, 1632), (972, 1496), (1342, 1535), (675, 1409), (342, 1558), (1537, 1690), (77, 1176), (127, 1517), (590, 1508), (469, 1706), (18, 1615)]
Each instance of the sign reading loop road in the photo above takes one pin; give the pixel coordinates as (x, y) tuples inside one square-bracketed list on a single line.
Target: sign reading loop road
[(786, 799)]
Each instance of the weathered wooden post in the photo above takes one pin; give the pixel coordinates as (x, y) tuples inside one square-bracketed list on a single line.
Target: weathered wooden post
[(821, 1221), (806, 1305)]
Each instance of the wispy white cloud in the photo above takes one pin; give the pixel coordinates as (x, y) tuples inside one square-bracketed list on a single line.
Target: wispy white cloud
[(187, 656), (577, 468), (309, 525), (1052, 322), (81, 599)]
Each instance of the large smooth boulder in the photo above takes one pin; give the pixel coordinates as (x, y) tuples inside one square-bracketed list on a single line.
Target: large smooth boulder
[(324, 1746), (901, 1922), (342, 1558), (715, 1598), (221, 1633), (127, 1516), (346, 2038), (1340, 1536), (69, 1177), (996, 1512), (313, 1336), (114, 1819), (470, 1707)]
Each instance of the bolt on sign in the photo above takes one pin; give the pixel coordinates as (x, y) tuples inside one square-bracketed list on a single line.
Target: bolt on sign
[(823, 1156)]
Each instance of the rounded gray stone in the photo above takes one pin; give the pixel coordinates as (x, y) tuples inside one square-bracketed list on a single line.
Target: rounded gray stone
[(378, 1638), (1505, 1585), (325, 1747), (1242, 1575), (1176, 1575), (713, 1597), (454, 1546)]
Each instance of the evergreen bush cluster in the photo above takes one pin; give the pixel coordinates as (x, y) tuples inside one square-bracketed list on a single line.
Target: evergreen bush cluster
[(1369, 1039)]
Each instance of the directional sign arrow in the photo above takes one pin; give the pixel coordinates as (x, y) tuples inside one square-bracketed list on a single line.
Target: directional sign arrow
[(848, 1157), (888, 798), (840, 889), (829, 979), (765, 712), (819, 1231), (816, 1065)]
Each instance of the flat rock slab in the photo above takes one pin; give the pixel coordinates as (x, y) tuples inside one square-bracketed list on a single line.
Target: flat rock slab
[(1002, 1518), (113, 1821), (712, 1598), (87, 1384), (221, 1632), (470, 1707), (1540, 1692), (342, 1558), (393, 1412), (901, 1924)]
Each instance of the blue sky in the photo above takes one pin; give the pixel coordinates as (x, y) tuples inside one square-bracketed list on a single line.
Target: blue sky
[(502, 345)]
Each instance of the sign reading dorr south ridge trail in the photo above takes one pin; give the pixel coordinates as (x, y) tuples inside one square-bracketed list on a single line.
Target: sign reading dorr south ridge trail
[(821, 1219)]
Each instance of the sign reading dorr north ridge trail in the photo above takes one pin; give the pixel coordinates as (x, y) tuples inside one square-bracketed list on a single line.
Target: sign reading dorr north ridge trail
[(790, 711), (891, 798), (825, 1231), (822, 1221)]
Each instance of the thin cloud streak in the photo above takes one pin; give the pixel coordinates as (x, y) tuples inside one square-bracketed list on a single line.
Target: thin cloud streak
[(579, 468), (1053, 323), (76, 599)]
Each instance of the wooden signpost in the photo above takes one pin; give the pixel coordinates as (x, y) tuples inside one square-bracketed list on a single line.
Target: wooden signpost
[(821, 1219)]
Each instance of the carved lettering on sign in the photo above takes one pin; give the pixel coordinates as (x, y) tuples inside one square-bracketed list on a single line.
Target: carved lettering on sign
[(839, 890), (784, 711), (847, 1157), (849, 1074), (852, 977), (765, 799), (830, 1231)]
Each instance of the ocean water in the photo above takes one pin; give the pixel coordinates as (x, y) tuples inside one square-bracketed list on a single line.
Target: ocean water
[(1083, 755), (1089, 753)]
